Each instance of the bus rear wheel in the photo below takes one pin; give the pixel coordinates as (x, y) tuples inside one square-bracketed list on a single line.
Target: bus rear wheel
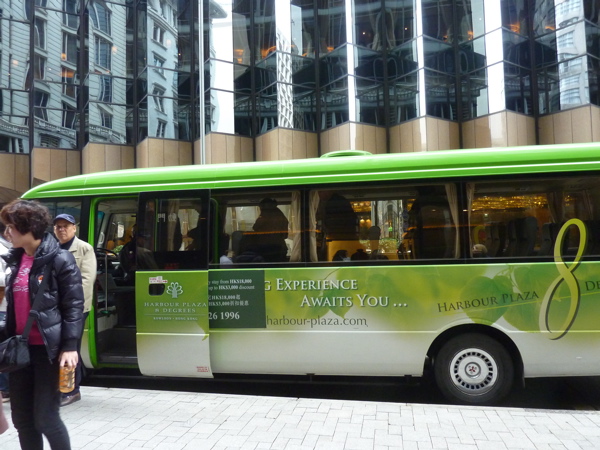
[(474, 369)]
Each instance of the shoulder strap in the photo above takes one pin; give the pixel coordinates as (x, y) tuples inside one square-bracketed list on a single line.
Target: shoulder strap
[(36, 301)]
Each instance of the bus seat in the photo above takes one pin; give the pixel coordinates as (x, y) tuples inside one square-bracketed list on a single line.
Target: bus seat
[(511, 229), (488, 242), (236, 242), (547, 245), (527, 230), (501, 239), (122, 297)]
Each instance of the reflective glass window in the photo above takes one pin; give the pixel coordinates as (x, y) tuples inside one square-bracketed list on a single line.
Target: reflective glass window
[(157, 98), (334, 104), (13, 144), (161, 128), (71, 21), (369, 24), (543, 17), (303, 28), (404, 99), (517, 88), (305, 104), (594, 74), (470, 19), (53, 134), (106, 119), (440, 95), (405, 58), (105, 92), (108, 123), (39, 67), (40, 33), (265, 29), (370, 104), (266, 109), (70, 117), (516, 49), (548, 89), (472, 56), (16, 10), (40, 102), (369, 64), (515, 16), (332, 25), (592, 10), (592, 35), (545, 51), (107, 89), (334, 65), (70, 48), (102, 52), (182, 116), (14, 131), (475, 91), (100, 15), (403, 14), (244, 113), (439, 56), (437, 20), (70, 6), (15, 103)]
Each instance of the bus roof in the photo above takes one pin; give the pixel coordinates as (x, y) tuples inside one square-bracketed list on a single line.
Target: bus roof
[(321, 171)]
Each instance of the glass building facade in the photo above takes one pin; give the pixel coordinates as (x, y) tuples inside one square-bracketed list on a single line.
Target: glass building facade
[(239, 80)]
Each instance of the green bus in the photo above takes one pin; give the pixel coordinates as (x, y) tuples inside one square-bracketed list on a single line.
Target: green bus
[(482, 265)]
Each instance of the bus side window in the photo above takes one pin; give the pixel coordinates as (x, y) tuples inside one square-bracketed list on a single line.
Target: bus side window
[(174, 230), (261, 227), (383, 223), (522, 218)]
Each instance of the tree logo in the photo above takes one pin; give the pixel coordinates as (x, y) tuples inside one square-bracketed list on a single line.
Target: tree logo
[(175, 289)]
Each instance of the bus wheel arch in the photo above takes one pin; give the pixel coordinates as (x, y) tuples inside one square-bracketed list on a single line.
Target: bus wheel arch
[(475, 364)]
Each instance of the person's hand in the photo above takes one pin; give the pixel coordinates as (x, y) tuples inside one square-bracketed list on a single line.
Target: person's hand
[(68, 359)]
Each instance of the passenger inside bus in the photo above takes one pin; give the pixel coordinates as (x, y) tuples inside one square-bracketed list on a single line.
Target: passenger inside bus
[(224, 258), (195, 234), (136, 256), (338, 223), (339, 219), (271, 229)]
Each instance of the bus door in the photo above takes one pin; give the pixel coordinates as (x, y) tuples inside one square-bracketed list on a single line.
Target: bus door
[(171, 284)]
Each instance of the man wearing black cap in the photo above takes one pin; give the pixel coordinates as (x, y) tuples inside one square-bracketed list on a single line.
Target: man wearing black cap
[(64, 229)]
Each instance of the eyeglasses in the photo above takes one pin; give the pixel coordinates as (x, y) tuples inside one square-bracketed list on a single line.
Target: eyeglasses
[(62, 227)]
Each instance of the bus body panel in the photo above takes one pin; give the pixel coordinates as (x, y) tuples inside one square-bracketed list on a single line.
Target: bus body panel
[(382, 320), (172, 324), (574, 355), (319, 352)]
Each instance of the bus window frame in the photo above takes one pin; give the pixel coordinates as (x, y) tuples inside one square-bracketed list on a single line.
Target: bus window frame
[(204, 195)]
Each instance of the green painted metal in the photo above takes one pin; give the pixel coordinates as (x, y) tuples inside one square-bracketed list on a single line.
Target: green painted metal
[(322, 171)]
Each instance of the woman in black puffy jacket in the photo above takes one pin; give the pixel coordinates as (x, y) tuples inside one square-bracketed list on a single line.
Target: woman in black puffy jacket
[(35, 398)]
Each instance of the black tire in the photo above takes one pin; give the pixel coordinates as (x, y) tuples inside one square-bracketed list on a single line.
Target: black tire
[(474, 369)]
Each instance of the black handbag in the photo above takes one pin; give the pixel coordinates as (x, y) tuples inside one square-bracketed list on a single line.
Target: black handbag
[(14, 352)]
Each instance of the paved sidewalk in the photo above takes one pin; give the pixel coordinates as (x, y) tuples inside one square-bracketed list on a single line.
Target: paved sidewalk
[(137, 419)]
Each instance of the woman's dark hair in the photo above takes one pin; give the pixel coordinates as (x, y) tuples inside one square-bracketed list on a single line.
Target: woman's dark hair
[(26, 216)]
